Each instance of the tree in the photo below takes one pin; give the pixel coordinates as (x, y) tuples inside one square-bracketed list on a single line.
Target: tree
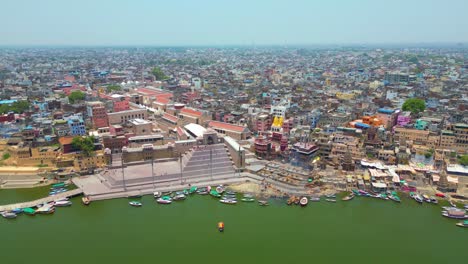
[(159, 74), (463, 160), (76, 96), (85, 144), (111, 88), (414, 105), (18, 107)]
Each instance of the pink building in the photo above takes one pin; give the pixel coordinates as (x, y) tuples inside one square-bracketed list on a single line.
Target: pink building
[(404, 118), (121, 105)]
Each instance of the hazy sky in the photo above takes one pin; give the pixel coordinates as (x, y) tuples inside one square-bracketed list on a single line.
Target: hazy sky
[(223, 22)]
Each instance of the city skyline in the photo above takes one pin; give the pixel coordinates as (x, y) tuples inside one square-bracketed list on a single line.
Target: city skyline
[(210, 23)]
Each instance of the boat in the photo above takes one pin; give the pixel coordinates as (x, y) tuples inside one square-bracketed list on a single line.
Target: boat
[(46, 209), (62, 203), (456, 214), (331, 200), (215, 194), (166, 193), (134, 196), (193, 189), (162, 200), (418, 198), (8, 215), (29, 211), (426, 198), (247, 199), (231, 193), (179, 197), (157, 194), (330, 195), (434, 200), (441, 195), (221, 226), (314, 199), (17, 211), (263, 202), (394, 198), (452, 203), (348, 197), (202, 191), (228, 201), (85, 200), (220, 188), (135, 203), (363, 193), (465, 206), (383, 196), (463, 224), (247, 195), (303, 201), (356, 192)]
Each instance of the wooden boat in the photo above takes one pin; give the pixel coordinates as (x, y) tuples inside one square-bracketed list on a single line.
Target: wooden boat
[(215, 194), (59, 185), (303, 201), (179, 197), (193, 189), (263, 202), (463, 224), (46, 209), (29, 211), (8, 215), (455, 214), (17, 211), (220, 226), (433, 200), (220, 189), (348, 197), (62, 203), (135, 196), (228, 201), (314, 199), (162, 200), (157, 194), (394, 198), (331, 200), (290, 201), (418, 198), (231, 193), (86, 200), (441, 195), (202, 191), (296, 200), (246, 199), (166, 193), (426, 198), (330, 195), (135, 203)]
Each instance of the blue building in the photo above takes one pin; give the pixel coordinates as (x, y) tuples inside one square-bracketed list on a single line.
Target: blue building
[(77, 126)]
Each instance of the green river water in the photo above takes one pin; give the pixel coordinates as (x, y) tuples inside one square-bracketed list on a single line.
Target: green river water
[(363, 230)]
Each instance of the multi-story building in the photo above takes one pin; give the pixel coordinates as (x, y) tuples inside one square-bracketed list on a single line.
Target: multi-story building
[(98, 114), (262, 123), (124, 116), (77, 126), (396, 77), (141, 126)]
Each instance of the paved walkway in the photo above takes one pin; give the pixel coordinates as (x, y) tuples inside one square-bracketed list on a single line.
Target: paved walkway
[(47, 199)]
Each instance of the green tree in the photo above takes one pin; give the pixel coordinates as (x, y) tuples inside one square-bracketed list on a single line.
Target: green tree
[(463, 160), (159, 74), (414, 105), (84, 144), (18, 107), (76, 96), (6, 156), (111, 88)]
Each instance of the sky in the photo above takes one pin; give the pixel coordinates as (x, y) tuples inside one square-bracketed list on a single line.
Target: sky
[(231, 22)]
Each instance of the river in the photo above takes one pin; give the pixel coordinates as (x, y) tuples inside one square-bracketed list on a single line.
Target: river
[(363, 230)]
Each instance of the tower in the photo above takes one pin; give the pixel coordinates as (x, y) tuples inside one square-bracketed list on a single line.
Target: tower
[(348, 164)]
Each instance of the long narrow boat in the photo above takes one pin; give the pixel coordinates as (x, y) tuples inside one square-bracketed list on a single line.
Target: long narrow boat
[(29, 211), (394, 198), (135, 203), (164, 200), (348, 197), (193, 189), (331, 200), (228, 201), (418, 198), (463, 224), (263, 202), (314, 199), (215, 194), (455, 214), (85, 200), (59, 185), (62, 203), (246, 199), (8, 215)]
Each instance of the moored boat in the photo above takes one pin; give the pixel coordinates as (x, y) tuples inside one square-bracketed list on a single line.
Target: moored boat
[(441, 195), (179, 197), (303, 201), (418, 198), (247, 199), (29, 211), (434, 200), (214, 193), (330, 195), (62, 203), (86, 200), (164, 200), (220, 189), (59, 185), (331, 200), (228, 201), (193, 189), (157, 194), (135, 203), (263, 202), (394, 198), (17, 211), (314, 199), (46, 209), (8, 215), (426, 198), (348, 197), (202, 191), (463, 224), (455, 214)]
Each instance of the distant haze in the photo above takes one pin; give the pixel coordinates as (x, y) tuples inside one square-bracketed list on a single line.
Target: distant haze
[(232, 22)]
